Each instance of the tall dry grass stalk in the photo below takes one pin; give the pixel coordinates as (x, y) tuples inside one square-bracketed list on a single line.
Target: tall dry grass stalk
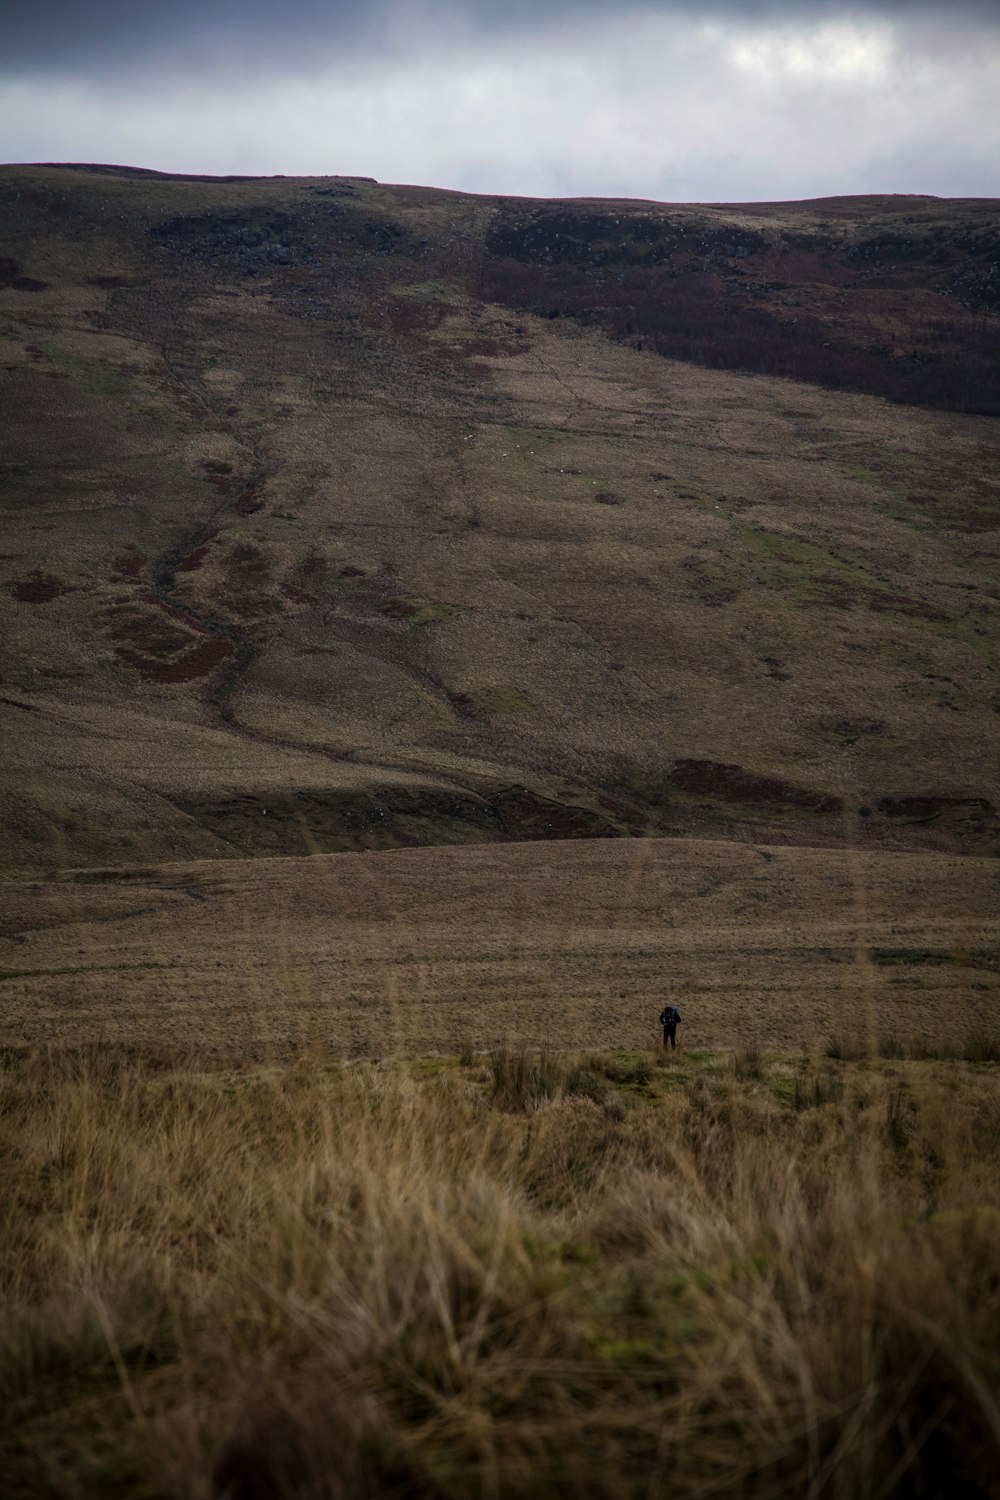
[(631, 1279)]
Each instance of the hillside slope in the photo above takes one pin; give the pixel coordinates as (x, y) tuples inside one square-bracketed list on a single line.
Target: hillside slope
[(339, 515)]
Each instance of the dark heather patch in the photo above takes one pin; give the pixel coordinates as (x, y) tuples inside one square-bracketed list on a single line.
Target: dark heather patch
[(129, 564), (193, 560), (197, 663), (731, 783), (922, 809), (40, 588)]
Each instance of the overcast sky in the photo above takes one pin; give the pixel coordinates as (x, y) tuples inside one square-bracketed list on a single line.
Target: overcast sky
[(683, 100)]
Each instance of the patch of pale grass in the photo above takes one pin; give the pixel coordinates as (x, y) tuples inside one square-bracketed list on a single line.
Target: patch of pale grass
[(530, 1276)]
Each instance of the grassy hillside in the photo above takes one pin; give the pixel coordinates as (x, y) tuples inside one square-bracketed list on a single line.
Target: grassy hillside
[(323, 531)]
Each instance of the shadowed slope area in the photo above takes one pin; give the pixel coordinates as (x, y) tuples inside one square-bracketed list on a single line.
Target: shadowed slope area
[(319, 536)]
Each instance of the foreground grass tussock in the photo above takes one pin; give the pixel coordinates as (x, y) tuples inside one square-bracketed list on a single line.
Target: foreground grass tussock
[(608, 1275)]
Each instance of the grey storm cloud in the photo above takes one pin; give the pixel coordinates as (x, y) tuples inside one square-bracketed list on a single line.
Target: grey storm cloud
[(66, 35), (674, 99)]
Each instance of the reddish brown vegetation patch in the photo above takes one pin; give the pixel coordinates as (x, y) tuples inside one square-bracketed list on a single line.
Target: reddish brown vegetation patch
[(971, 521), (39, 588), (413, 321), (523, 815), (732, 298), (12, 275), (967, 824), (960, 515), (216, 471), (193, 559), (163, 644), (197, 663), (129, 564), (351, 572), (905, 604), (415, 326), (295, 595), (622, 810), (312, 567), (835, 592), (920, 809), (220, 473), (399, 609), (731, 783)]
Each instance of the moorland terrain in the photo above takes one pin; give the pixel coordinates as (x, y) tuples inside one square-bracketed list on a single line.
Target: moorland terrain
[(342, 517), (434, 629)]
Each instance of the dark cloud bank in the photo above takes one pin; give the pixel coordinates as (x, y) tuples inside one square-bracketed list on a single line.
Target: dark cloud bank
[(58, 35), (671, 100)]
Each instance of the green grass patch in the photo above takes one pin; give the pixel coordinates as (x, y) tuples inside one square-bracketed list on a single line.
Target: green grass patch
[(502, 700), (155, 410), (844, 732), (914, 494), (806, 574), (531, 442), (801, 572), (940, 692), (421, 611), (96, 376)]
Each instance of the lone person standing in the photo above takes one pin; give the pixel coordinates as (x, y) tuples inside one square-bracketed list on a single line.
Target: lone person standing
[(669, 1019)]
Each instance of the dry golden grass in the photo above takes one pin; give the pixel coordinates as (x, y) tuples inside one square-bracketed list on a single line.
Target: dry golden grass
[(563, 944), (614, 1275)]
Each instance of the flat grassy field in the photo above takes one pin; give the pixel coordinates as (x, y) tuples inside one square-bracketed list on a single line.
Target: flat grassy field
[(563, 944), (609, 1274)]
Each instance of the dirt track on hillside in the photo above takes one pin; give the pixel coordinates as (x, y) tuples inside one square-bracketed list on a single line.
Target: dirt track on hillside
[(561, 945)]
